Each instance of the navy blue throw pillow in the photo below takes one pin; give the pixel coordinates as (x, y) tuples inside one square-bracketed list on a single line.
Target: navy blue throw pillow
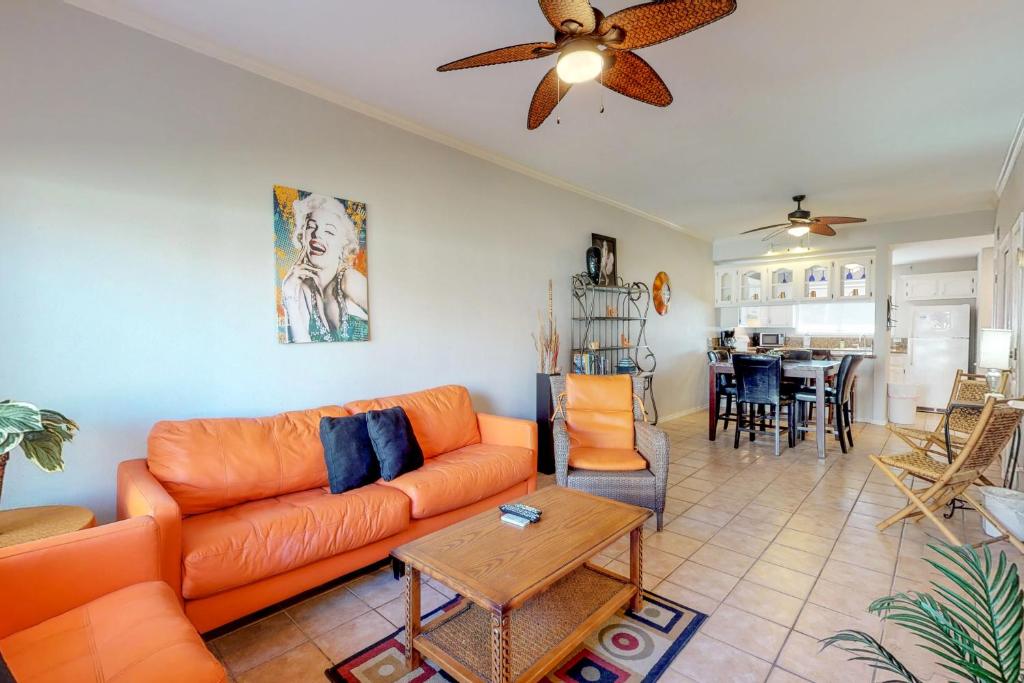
[(348, 452), (393, 441), (5, 674)]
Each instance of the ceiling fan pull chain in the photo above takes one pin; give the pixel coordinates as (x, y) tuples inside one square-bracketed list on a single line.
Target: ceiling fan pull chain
[(602, 92)]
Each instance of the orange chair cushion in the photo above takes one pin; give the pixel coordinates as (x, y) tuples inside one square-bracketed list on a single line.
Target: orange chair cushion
[(252, 541), (443, 418), (209, 464), (463, 477), (136, 634), (599, 410), (606, 459)]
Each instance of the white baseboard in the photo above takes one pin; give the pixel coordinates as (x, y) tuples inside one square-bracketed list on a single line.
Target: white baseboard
[(681, 413)]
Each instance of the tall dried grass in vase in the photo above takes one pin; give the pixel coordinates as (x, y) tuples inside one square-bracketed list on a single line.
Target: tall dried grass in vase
[(546, 339)]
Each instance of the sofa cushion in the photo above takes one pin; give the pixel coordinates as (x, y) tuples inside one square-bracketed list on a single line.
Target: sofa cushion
[(209, 464), (252, 541), (599, 410), (134, 635), (606, 459), (348, 452), (394, 442), (465, 476), (442, 418)]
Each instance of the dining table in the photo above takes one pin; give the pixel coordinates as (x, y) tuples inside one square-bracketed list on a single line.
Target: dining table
[(817, 370)]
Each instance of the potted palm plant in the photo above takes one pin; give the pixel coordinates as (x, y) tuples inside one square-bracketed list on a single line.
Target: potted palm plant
[(40, 434), (973, 626)]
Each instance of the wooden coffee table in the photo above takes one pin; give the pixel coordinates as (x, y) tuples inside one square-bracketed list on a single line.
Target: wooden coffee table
[(530, 595)]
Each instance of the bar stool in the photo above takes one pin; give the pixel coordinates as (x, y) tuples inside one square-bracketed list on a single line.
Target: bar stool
[(838, 398), (759, 385), (725, 388)]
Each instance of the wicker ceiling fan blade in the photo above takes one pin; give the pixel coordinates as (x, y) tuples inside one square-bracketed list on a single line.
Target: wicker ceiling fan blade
[(837, 220), (822, 229), (656, 22), (767, 227), (569, 16), (503, 55), (631, 76), (545, 98)]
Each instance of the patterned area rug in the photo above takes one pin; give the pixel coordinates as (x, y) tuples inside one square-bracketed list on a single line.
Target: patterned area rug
[(634, 648)]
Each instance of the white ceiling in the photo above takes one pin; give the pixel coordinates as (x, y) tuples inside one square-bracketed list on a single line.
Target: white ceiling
[(935, 250), (877, 108)]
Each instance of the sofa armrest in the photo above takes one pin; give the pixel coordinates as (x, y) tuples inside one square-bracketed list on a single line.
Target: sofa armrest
[(138, 494), (560, 441), (507, 431), (45, 578)]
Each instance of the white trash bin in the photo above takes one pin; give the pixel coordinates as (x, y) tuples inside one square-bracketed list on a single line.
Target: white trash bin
[(1007, 506), (903, 403)]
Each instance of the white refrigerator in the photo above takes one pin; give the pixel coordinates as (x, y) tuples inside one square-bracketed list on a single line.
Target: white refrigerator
[(939, 344)]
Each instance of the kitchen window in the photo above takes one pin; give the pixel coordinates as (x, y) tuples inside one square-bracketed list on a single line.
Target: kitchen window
[(836, 318)]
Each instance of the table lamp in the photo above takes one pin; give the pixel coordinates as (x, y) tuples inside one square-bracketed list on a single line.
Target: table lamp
[(994, 354)]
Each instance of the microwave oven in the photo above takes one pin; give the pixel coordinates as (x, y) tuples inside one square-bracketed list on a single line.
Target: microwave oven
[(772, 339)]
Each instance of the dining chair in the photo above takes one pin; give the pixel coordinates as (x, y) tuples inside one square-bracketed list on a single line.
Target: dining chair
[(837, 397), (946, 481), (797, 354), (725, 389), (957, 421), (603, 443), (759, 385)]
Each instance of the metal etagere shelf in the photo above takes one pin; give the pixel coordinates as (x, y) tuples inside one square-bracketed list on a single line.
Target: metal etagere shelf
[(608, 334)]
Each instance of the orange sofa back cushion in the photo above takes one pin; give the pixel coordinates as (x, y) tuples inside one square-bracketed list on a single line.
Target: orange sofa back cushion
[(210, 464), (442, 418), (599, 410)]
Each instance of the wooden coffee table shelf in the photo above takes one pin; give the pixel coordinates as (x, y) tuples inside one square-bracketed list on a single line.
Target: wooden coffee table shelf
[(530, 595), (542, 633)]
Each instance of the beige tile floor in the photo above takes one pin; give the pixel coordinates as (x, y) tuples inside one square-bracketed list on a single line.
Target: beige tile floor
[(779, 552)]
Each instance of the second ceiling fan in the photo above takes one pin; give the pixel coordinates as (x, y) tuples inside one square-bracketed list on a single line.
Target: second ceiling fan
[(590, 44), (800, 223)]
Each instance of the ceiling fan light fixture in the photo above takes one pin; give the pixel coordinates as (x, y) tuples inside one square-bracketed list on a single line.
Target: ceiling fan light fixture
[(799, 230), (580, 61)]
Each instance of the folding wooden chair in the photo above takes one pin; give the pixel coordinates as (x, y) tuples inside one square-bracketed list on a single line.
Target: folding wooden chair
[(957, 422), (995, 426)]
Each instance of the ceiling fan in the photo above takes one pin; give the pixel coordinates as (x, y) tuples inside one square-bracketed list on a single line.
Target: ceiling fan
[(800, 223), (589, 44)]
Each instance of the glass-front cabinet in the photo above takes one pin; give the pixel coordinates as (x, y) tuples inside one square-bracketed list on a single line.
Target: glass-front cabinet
[(854, 278), (725, 286), (817, 281), (752, 284), (781, 282)]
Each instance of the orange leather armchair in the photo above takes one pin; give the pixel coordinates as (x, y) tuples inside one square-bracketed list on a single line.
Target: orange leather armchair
[(603, 444), (90, 606)]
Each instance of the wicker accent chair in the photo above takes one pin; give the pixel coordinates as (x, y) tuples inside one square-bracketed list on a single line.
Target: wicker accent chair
[(643, 484), (946, 481), (967, 388)]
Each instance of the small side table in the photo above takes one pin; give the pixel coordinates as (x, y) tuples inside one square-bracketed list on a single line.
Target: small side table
[(22, 525)]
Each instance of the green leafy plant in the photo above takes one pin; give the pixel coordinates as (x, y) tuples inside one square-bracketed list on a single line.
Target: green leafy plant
[(974, 626), (40, 433)]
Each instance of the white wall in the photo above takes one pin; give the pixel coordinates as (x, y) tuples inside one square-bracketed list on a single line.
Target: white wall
[(881, 237), (137, 250)]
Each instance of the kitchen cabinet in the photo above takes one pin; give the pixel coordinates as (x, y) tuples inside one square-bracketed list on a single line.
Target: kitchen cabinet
[(932, 286), (817, 278), (766, 316), (752, 279), (854, 278), (781, 281), (808, 279), (725, 286)]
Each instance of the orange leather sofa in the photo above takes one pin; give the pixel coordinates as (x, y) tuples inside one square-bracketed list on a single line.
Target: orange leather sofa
[(90, 606), (246, 517)]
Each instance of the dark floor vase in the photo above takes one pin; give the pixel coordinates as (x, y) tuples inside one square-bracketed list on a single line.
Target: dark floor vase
[(593, 264)]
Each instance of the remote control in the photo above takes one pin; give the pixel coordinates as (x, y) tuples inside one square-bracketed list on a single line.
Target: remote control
[(525, 511), (515, 520)]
